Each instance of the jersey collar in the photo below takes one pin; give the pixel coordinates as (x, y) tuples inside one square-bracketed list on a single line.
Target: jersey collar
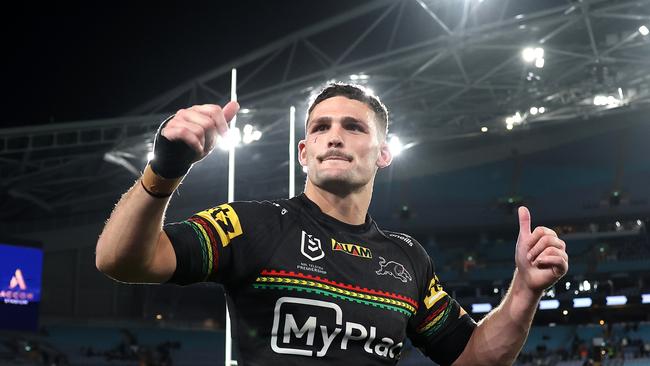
[(318, 213)]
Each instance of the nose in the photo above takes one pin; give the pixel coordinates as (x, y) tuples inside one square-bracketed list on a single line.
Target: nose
[(334, 137)]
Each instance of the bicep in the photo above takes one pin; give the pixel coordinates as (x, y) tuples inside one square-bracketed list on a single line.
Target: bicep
[(163, 264)]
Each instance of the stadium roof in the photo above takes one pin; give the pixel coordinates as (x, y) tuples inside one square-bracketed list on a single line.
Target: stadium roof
[(448, 71)]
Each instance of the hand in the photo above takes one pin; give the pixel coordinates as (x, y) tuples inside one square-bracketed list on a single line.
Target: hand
[(198, 126), (540, 255)]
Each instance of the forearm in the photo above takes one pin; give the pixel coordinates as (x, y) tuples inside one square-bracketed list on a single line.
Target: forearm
[(130, 236), (499, 337)]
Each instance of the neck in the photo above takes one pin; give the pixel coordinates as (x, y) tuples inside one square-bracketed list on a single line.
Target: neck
[(350, 208)]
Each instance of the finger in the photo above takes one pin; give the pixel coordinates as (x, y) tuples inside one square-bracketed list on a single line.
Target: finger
[(196, 116), (543, 243), (220, 123), (194, 128), (175, 133), (202, 115), (540, 232), (559, 265), (230, 110), (550, 252), (524, 222)]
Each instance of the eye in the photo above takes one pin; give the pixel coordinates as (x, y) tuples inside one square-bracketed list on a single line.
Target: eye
[(355, 127), (319, 128)]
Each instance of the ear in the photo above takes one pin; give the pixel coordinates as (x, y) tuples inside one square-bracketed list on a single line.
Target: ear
[(302, 152), (385, 156)]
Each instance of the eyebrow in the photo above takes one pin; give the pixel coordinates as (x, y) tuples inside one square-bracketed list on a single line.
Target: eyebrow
[(318, 120), (326, 119)]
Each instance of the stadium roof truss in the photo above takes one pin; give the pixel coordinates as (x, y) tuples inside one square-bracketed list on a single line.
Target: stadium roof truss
[(445, 69)]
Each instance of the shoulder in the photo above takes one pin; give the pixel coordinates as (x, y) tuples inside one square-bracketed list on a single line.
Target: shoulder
[(256, 208), (417, 255), (409, 244), (401, 238)]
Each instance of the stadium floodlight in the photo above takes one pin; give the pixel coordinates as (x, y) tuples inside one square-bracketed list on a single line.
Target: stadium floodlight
[(582, 302), (549, 304), (528, 54), (565, 312), (645, 298), (542, 110), (395, 145), (356, 77), (534, 55), (251, 134), (248, 129), (616, 300), (481, 308), (244, 111), (484, 129), (644, 30), (600, 100), (150, 157), (606, 100), (533, 110)]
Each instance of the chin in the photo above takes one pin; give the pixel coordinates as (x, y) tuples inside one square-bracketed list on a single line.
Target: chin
[(339, 184)]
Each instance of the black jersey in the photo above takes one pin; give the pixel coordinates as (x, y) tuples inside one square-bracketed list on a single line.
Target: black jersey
[(306, 289)]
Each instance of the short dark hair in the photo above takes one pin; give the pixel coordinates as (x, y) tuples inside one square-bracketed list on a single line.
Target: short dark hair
[(356, 92)]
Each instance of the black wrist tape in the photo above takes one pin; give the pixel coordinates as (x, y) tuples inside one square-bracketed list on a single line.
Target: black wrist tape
[(172, 159)]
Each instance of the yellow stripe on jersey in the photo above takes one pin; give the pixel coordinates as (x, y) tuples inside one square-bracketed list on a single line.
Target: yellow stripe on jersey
[(225, 222), (435, 292)]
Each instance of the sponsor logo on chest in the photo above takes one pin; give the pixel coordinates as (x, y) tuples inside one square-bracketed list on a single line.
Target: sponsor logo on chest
[(300, 327), (351, 249)]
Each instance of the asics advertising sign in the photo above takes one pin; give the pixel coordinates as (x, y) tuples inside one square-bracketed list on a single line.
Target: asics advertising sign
[(312, 328)]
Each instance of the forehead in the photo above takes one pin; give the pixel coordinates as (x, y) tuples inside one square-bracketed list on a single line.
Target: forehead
[(339, 106)]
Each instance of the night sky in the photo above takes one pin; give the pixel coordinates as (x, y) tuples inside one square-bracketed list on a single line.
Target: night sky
[(73, 62)]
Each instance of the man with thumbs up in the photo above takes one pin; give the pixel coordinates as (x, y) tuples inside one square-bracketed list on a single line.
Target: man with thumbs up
[(313, 280)]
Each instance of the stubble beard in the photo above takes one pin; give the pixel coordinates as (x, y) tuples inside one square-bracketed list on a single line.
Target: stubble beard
[(340, 184)]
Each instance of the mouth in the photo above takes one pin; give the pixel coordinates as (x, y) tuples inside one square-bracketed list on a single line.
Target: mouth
[(335, 156)]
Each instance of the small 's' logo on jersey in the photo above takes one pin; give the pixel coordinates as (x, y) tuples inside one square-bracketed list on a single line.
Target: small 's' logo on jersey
[(351, 249), (394, 269), (310, 247)]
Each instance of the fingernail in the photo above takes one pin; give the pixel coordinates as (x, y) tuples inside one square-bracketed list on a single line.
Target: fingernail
[(529, 256)]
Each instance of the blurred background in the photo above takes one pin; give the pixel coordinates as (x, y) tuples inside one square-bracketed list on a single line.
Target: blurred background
[(493, 104)]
